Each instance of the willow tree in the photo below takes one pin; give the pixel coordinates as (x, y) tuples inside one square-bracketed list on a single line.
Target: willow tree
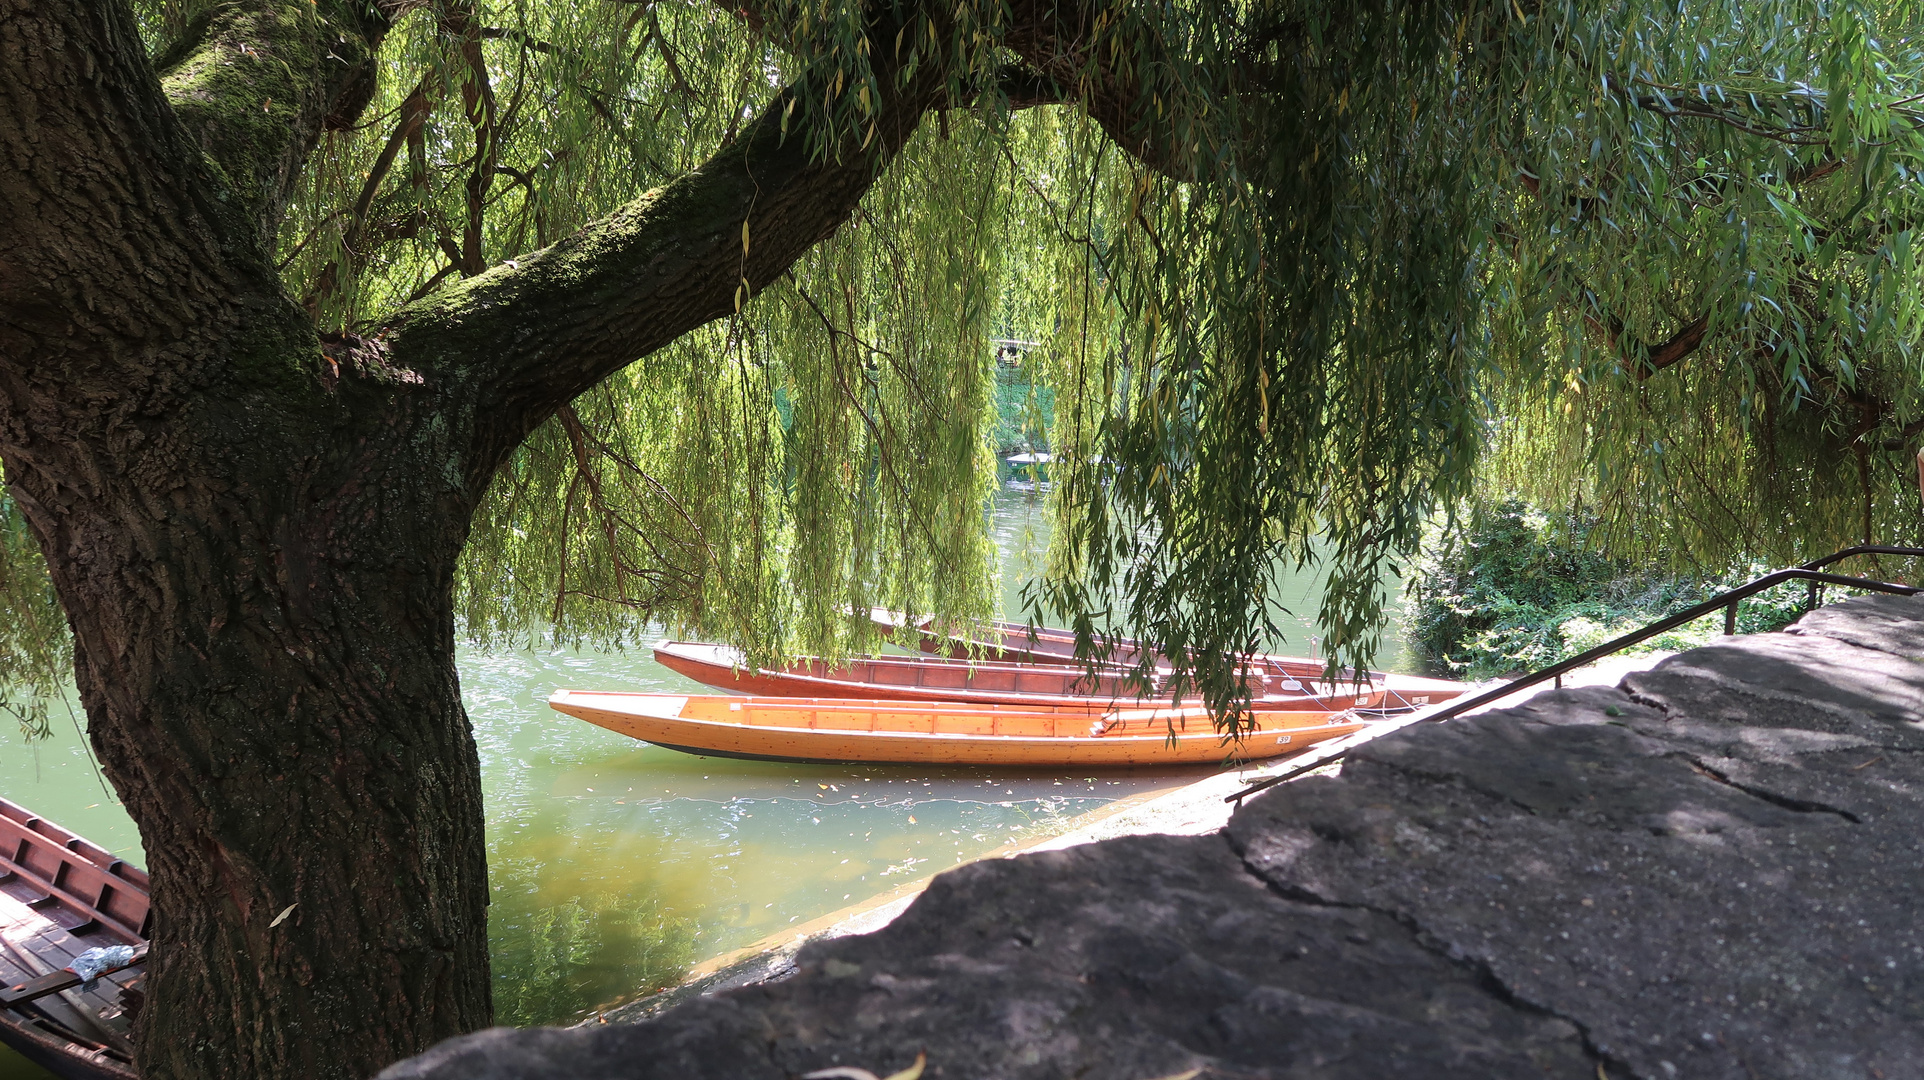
[(330, 328)]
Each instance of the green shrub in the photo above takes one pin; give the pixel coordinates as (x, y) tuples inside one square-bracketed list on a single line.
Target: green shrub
[(1514, 589)]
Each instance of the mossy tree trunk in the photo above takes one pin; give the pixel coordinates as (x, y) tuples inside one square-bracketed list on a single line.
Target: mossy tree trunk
[(254, 530)]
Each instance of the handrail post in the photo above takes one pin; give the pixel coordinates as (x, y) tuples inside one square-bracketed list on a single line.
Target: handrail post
[(1730, 618)]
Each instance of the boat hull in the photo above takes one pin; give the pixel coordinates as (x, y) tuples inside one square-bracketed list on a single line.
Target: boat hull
[(1011, 643), (59, 1056), (910, 678), (1018, 643), (938, 733)]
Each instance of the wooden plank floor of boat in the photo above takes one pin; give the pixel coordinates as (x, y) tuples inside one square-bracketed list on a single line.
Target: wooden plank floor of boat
[(34, 944)]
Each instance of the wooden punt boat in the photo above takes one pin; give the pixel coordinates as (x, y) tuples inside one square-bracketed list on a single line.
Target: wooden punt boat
[(917, 678), (59, 897), (942, 733), (1009, 642), (1006, 642)]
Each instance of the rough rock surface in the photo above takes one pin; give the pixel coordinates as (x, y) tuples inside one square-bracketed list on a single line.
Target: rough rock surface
[(1710, 871)]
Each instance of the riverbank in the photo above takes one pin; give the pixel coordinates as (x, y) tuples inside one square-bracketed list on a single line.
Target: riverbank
[(1708, 870)]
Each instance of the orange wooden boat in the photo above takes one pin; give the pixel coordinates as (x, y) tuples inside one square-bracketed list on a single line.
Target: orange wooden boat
[(942, 733), (916, 678), (1012, 643), (60, 897)]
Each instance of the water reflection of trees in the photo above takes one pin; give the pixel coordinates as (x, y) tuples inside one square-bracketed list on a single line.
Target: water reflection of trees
[(581, 922)]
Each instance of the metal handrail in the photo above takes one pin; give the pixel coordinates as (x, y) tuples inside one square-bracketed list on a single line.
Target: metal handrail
[(1727, 600), (1816, 588), (1861, 549)]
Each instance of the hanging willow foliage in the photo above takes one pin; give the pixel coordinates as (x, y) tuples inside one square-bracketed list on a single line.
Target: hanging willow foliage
[(824, 452), (1300, 270), (36, 650), (1657, 256), (1704, 286)]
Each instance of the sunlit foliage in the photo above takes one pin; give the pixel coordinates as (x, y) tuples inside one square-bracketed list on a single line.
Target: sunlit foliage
[(1298, 270), (1659, 256), (1513, 589), (36, 650), (1704, 287)]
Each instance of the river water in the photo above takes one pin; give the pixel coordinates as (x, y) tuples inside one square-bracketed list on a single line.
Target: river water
[(615, 864)]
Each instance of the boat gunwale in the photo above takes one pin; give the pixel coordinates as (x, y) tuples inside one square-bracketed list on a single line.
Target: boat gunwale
[(938, 707), (914, 660), (65, 845), (1021, 639), (717, 670), (1125, 739)]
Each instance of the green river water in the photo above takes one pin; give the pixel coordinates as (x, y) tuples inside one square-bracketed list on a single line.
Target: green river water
[(615, 864)]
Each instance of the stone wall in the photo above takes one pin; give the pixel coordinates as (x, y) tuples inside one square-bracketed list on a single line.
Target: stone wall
[(1710, 871)]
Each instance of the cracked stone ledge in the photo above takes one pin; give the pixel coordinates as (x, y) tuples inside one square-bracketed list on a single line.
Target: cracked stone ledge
[(1710, 872), (1480, 971)]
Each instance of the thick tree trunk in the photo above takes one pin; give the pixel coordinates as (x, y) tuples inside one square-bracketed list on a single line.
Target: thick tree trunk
[(265, 652), (254, 544)]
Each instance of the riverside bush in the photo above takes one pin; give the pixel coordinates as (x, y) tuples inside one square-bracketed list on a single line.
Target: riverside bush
[(1514, 588)]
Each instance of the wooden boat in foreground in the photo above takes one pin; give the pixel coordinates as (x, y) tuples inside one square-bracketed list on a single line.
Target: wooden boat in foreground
[(942, 733), (59, 897), (1012, 643), (918, 678)]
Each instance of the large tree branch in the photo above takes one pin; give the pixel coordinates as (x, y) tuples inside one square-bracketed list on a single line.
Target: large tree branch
[(254, 83), (1075, 44), (175, 177), (526, 337), (1675, 347), (1643, 360), (413, 114), (1646, 360), (116, 239), (529, 336), (1103, 55), (517, 342)]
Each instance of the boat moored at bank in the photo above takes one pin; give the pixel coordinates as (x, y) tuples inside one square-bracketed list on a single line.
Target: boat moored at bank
[(929, 678), (73, 940), (1017, 643), (946, 733)]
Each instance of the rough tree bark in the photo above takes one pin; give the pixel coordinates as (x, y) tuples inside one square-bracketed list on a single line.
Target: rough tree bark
[(254, 556), (254, 531)]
